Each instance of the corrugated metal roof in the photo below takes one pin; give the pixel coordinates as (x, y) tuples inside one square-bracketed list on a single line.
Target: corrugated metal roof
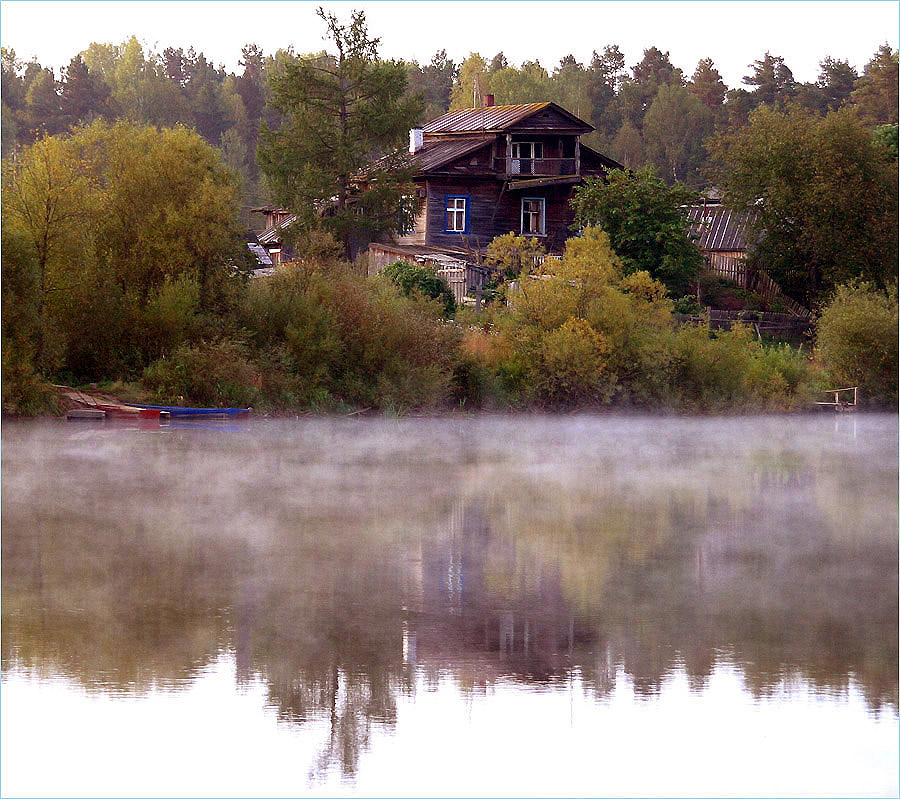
[(273, 234), (718, 228), (262, 255), (493, 118), (437, 153)]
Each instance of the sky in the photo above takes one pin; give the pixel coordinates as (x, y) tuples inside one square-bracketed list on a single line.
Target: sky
[(734, 34)]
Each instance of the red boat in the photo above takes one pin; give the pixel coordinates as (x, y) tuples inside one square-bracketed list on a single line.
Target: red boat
[(130, 412)]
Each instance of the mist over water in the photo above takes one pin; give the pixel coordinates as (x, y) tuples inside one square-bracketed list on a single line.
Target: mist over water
[(567, 605)]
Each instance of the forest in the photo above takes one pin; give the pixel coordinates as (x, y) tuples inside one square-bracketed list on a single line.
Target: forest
[(648, 114), (128, 178)]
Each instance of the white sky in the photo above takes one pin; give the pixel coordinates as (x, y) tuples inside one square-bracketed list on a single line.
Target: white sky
[(733, 34)]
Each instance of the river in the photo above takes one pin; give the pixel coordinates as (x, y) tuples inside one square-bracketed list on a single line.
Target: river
[(490, 606)]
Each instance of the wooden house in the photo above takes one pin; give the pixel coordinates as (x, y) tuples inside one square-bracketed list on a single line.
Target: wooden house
[(719, 231), (725, 237), (269, 238), (483, 172)]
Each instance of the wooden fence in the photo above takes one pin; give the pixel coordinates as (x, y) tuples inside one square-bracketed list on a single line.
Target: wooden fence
[(736, 271)]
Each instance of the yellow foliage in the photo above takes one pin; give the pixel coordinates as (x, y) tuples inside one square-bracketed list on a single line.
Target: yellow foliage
[(572, 365)]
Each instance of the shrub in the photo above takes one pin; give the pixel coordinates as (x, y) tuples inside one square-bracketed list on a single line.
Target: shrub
[(169, 314), (572, 366), (511, 254), (410, 278), (24, 392), (343, 338), (856, 341), (219, 374), (710, 368)]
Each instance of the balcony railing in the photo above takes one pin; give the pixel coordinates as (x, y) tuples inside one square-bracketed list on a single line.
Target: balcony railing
[(535, 166)]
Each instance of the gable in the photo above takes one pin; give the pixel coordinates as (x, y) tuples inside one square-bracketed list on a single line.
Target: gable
[(505, 118), (550, 119)]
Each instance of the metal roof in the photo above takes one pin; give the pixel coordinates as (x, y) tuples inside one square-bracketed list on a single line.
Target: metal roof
[(437, 153), (262, 255), (272, 235), (718, 228), (493, 118)]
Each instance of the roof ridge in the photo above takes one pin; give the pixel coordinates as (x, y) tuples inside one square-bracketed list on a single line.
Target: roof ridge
[(489, 107)]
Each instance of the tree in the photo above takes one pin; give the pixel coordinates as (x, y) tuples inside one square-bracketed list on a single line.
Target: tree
[(607, 72), (570, 87), (773, 80), (646, 225), (628, 146), (410, 278), (706, 84), (824, 194), (433, 82), (523, 85), (43, 113), (654, 70), (835, 82), (856, 340), (473, 81), (675, 127), (127, 227), (341, 113), (83, 95), (875, 93)]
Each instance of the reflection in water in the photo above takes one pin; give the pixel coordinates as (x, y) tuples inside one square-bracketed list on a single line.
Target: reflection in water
[(353, 569)]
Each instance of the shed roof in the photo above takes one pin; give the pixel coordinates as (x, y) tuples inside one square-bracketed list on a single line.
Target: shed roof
[(495, 118), (719, 229), (437, 153)]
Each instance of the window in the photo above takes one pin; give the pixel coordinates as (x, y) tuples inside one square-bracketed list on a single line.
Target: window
[(533, 216), (527, 149), (524, 154), (407, 212), (456, 219)]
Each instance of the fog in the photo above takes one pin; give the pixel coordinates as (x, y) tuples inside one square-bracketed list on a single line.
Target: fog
[(348, 568)]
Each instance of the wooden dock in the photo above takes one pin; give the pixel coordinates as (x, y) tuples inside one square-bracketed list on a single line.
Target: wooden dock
[(842, 401)]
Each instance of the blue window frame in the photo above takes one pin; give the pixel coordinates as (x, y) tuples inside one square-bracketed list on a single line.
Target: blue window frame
[(456, 213)]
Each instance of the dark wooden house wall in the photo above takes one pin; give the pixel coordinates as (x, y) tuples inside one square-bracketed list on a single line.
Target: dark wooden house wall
[(492, 214)]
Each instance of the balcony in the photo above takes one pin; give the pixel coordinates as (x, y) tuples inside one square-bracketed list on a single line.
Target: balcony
[(538, 167)]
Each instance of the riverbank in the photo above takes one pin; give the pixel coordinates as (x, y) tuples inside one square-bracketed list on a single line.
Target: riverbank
[(75, 399)]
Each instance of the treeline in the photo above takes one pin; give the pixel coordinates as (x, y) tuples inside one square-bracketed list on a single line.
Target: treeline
[(124, 260), (649, 114)]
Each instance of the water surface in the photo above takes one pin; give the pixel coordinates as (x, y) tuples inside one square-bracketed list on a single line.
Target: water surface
[(470, 606)]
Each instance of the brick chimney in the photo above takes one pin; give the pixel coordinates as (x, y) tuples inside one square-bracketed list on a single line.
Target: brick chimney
[(488, 100)]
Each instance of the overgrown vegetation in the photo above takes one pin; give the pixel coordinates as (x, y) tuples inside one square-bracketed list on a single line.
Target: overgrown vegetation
[(857, 341), (123, 258)]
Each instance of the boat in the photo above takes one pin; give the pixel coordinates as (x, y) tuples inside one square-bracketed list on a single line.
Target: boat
[(176, 411), (130, 411)]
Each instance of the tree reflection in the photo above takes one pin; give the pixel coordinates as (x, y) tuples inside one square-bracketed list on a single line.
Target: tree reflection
[(356, 581)]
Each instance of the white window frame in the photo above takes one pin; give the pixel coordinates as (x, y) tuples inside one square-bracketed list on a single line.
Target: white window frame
[(542, 216), (456, 209), (536, 150), (522, 163)]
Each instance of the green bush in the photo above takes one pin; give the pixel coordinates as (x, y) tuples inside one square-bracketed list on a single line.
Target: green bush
[(410, 278), (339, 337), (25, 392), (856, 341), (216, 375)]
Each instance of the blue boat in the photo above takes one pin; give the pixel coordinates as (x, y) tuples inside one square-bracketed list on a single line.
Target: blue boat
[(177, 410)]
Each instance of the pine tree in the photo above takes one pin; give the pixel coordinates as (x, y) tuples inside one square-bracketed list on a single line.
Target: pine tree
[(341, 112)]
